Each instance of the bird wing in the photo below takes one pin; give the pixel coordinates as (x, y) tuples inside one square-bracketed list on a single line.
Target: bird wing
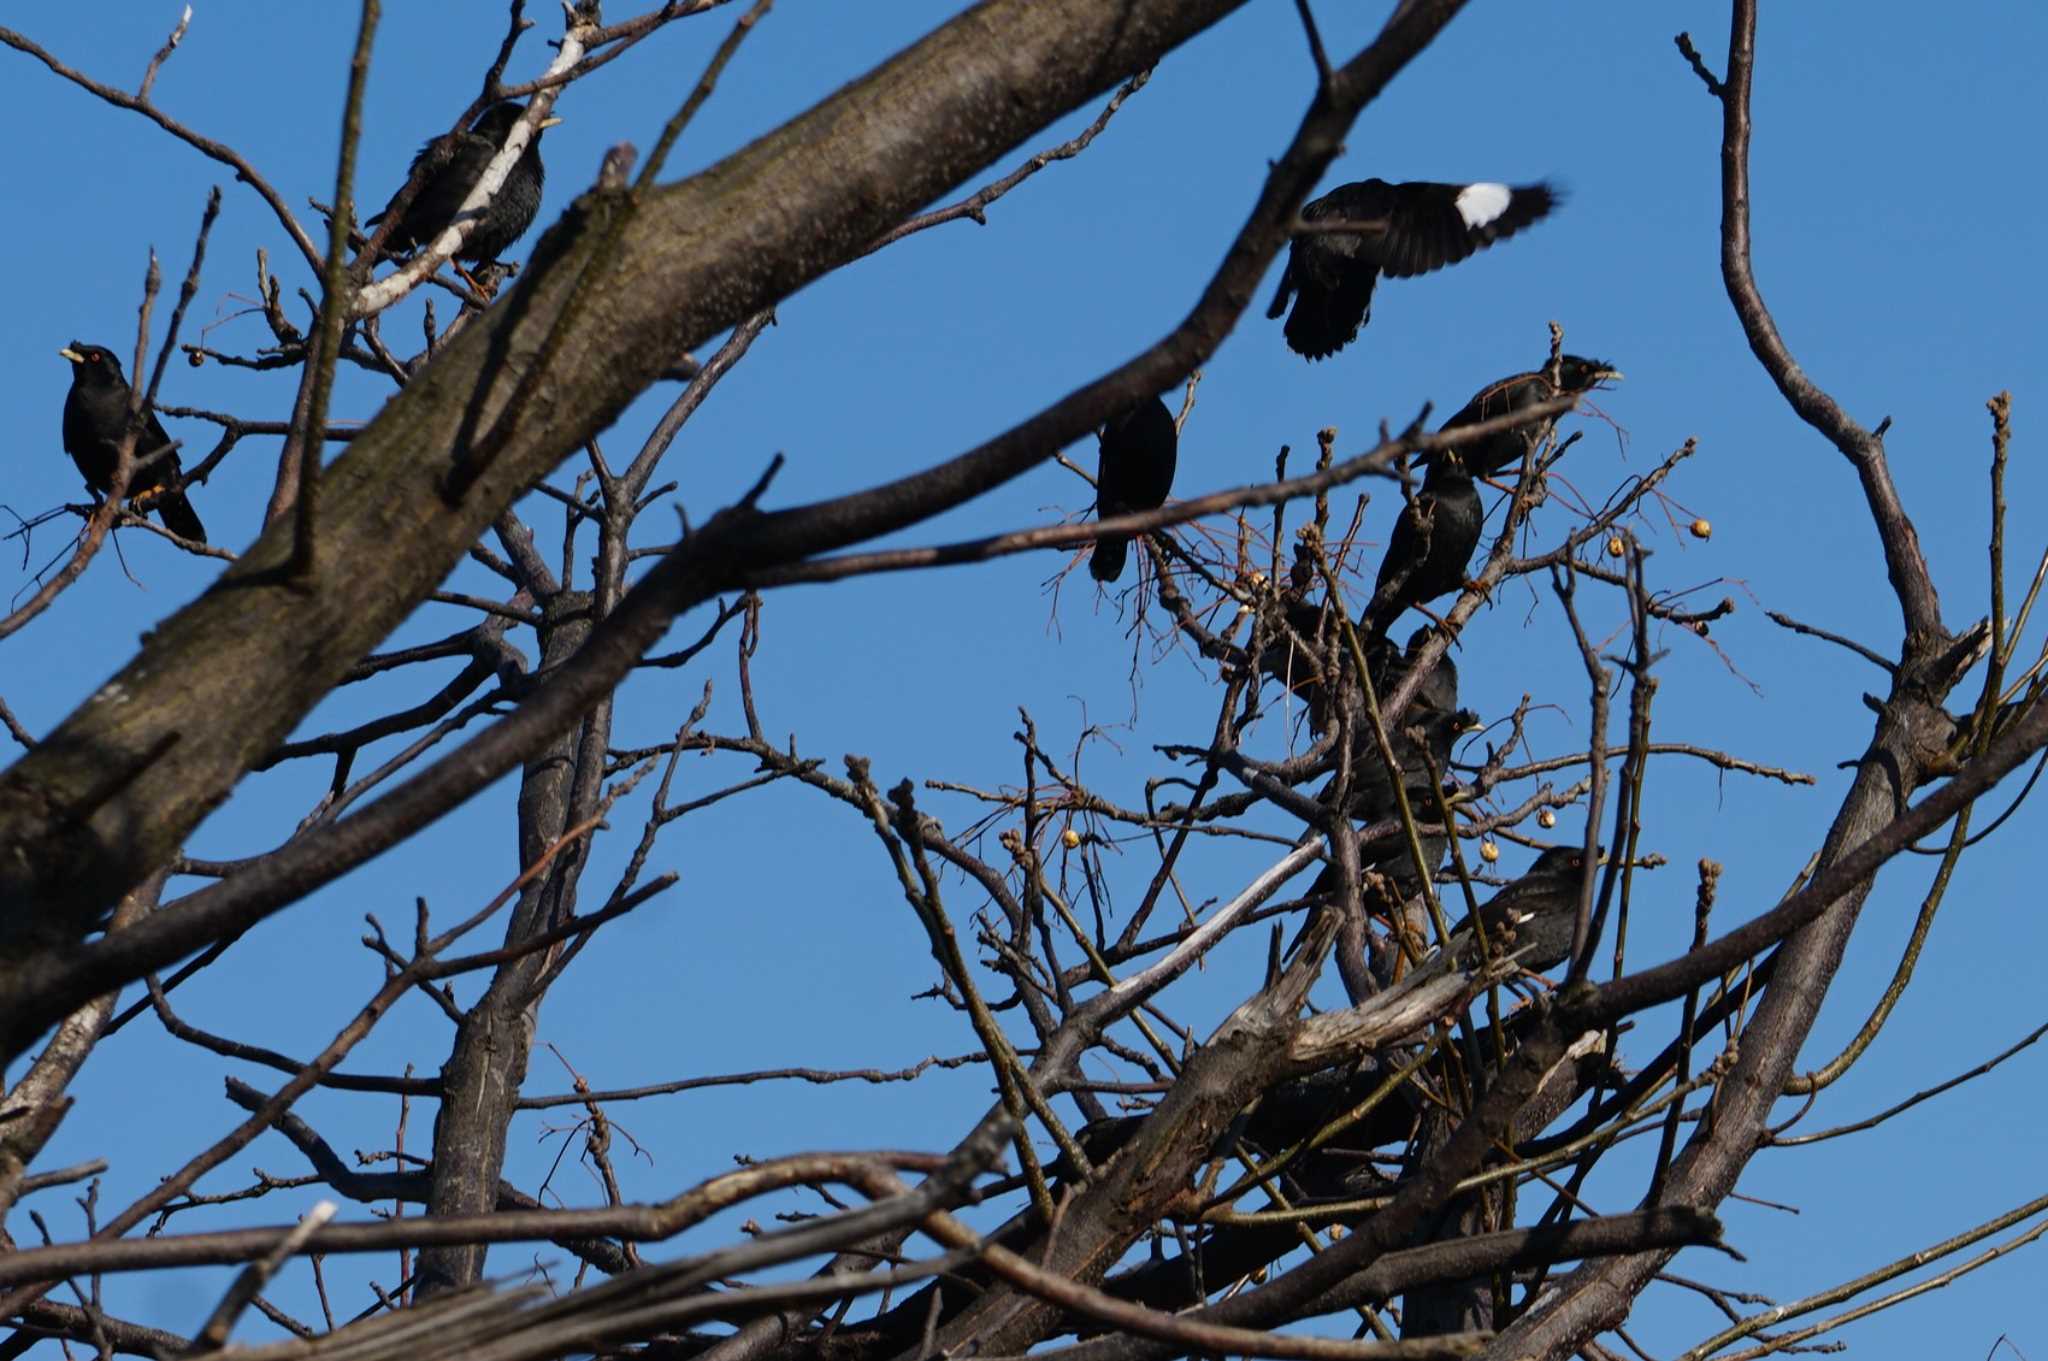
[(1432, 225), (430, 163), (1495, 399), (1366, 206), (1278, 306)]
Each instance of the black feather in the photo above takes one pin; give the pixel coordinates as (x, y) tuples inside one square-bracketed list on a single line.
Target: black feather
[(1495, 454), (1431, 545), (453, 165), (96, 419), (1397, 230), (1139, 450)]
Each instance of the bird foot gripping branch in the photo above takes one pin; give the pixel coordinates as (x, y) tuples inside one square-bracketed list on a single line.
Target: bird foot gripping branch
[(98, 420)]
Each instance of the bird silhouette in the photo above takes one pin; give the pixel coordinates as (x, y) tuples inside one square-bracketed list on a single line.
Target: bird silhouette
[(96, 419), (1139, 449), (453, 163), (1532, 918), (1393, 229), (1431, 545), (1498, 452)]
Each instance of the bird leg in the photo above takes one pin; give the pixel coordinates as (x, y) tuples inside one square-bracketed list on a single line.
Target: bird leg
[(1433, 616), (483, 290)]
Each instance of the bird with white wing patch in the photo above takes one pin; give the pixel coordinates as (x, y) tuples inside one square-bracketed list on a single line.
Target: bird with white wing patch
[(1370, 228)]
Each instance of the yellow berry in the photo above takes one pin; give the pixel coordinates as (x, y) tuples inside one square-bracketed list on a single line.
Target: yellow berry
[(1702, 528), (1614, 546), (1546, 819), (1489, 852), (1070, 838)]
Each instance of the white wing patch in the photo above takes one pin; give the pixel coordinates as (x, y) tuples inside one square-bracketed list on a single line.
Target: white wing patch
[(1480, 204)]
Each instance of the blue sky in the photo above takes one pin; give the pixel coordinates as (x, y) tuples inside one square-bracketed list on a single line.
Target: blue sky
[(1894, 203)]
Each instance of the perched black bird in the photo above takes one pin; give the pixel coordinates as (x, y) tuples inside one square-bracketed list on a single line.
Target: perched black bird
[(1536, 913), (1499, 452), (1400, 230), (1433, 722), (1431, 545), (454, 163), (1438, 690), (1433, 715), (1299, 649), (1372, 801), (1285, 1115), (1139, 450), (95, 419)]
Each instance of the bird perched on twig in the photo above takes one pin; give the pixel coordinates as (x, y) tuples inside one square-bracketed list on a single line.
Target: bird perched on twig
[(453, 163), (1498, 452), (1432, 723), (1431, 545), (96, 419), (1394, 229), (1533, 918), (1139, 450), (1432, 716)]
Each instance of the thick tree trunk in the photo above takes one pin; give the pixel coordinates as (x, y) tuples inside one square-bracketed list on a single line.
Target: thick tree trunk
[(612, 294), (480, 1082)]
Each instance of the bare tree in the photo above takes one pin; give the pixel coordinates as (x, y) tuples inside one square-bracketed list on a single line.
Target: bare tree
[(1151, 1166)]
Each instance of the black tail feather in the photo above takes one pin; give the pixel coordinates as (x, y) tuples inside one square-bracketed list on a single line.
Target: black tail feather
[(1107, 562), (179, 517), (1325, 320), (1282, 293)]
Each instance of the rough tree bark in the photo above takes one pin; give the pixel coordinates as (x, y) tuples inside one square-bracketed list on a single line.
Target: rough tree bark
[(613, 293)]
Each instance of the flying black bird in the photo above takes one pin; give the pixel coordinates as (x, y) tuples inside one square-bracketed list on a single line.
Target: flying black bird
[(1431, 545), (1398, 230), (95, 419), (1499, 452), (454, 163), (1537, 913), (1139, 450)]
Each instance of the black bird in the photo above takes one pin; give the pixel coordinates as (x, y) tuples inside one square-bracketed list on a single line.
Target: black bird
[(1438, 690), (1372, 800), (1433, 722), (454, 163), (95, 419), (1298, 649), (1537, 914), (1431, 545), (1400, 230), (1433, 714), (1499, 452), (1139, 450)]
